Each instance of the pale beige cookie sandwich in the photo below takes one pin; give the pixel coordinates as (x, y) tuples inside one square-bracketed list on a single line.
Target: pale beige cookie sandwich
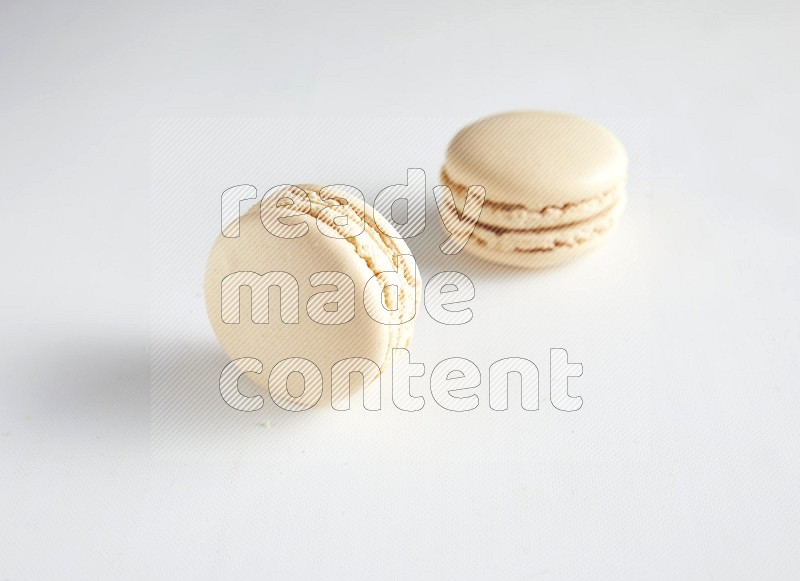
[(555, 185), (315, 274)]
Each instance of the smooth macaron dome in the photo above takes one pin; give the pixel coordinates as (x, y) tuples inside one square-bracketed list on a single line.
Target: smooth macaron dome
[(555, 185), (374, 250)]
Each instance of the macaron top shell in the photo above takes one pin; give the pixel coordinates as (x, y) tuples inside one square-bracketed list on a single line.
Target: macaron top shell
[(537, 159)]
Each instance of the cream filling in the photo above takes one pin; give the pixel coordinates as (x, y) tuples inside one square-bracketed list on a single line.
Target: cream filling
[(549, 238), (520, 217), (545, 241)]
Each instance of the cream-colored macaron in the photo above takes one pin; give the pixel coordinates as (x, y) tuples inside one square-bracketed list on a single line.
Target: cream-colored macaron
[(348, 287), (555, 185)]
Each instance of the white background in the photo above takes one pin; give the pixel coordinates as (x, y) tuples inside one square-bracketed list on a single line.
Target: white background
[(683, 461)]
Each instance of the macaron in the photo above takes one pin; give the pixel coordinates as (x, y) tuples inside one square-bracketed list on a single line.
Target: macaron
[(555, 185), (347, 288)]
